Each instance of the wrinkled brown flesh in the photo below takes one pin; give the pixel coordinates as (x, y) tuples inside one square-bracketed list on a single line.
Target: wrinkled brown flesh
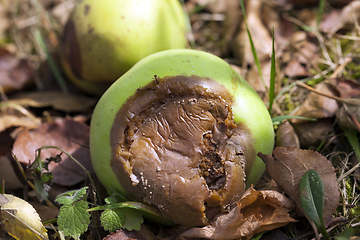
[(175, 145)]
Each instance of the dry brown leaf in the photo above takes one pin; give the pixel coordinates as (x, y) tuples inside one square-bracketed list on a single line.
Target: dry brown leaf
[(8, 121), (67, 134), (254, 79), (347, 17), (286, 136), (257, 211), (14, 72), (287, 166), (58, 100), (346, 88), (259, 34), (233, 17), (311, 134), (124, 235), (349, 116), (302, 54), (295, 69), (317, 106)]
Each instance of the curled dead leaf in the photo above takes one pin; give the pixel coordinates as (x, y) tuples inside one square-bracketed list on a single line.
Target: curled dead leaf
[(286, 136), (287, 165), (257, 211)]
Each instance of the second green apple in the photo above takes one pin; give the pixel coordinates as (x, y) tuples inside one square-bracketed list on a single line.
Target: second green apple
[(103, 39)]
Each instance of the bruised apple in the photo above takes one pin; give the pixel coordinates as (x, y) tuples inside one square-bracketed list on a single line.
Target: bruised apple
[(103, 39), (180, 131)]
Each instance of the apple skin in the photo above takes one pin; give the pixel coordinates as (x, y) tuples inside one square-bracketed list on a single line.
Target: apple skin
[(248, 108), (104, 39)]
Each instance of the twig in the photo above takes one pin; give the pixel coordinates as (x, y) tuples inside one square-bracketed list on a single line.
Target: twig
[(341, 67), (350, 101)]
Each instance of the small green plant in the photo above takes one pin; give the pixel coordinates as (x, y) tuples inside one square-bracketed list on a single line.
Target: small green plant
[(73, 219), (312, 199)]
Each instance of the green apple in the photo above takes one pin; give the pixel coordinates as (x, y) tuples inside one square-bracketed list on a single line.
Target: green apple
[(103, 39), (181, 131)]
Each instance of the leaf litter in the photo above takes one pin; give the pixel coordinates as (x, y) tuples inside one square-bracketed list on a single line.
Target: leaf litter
[(67, 134), (287, 166)]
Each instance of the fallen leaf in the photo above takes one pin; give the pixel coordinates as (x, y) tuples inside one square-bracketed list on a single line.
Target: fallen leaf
[(259, 35), (295, 69), (14, 72), (349, 116), (124, 235), (66, 134), (10, 120), (287, 165), (346, 88), (345, 18), (312, 134), (303, 53), (286, 136), (58, 100), (20, 220), (254, 79), (317, 106), (257, 211)]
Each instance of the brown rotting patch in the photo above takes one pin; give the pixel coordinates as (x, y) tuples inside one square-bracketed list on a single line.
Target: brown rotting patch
[(176, 145)]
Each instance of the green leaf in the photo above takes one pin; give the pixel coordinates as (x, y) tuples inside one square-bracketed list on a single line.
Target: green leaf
[(346, 234), (353, 140), (40, 190), (79, 194), (312, 199), (133, 220), (74, 219), (112, 219), (71, 197), (64, 200), (125, 216)]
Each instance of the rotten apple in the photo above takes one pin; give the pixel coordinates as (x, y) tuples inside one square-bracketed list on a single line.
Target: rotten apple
[(103, 39), (181, 131)]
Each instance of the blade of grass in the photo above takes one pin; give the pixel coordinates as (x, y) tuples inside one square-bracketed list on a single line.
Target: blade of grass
[(272, 75), (320, 13), (286, 117), (353, 140), (256, 58), (54, 69)]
